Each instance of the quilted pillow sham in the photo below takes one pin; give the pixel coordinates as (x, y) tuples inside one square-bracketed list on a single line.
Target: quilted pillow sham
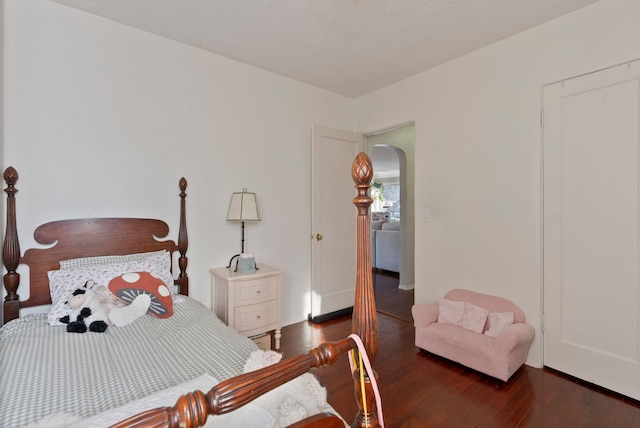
[(101, 260), (63, 282)]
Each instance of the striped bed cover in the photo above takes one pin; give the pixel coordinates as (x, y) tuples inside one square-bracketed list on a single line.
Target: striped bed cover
[(45, 370)]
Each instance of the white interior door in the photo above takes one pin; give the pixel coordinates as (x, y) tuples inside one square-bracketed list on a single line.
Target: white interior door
[(591, 215), (333, 220)]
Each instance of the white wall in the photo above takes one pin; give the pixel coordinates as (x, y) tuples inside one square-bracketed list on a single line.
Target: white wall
[(2, 120), (102, 120), (478, 151)]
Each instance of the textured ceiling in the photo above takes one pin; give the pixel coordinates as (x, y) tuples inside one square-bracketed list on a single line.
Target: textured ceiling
[(351, 47)]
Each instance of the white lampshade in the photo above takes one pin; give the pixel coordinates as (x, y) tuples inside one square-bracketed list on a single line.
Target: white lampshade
[(243, 207)]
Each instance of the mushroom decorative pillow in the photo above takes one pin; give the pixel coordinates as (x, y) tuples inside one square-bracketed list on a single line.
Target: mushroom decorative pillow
[(129, 285)]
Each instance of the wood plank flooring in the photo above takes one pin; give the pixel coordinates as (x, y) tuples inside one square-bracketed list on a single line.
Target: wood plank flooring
[(422, 390), (390, 300)]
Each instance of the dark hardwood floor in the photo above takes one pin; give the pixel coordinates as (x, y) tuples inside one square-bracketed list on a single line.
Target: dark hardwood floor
[(390, 300), (422, 390)]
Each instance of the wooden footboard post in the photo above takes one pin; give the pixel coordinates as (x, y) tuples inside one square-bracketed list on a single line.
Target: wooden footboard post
[(364, 322), (11, 250)]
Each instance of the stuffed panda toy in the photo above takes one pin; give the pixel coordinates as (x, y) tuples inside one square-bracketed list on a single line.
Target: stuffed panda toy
[(87, 312)]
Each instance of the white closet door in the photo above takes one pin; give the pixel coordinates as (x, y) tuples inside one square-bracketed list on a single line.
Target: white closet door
[(591, 215), (333, 220)]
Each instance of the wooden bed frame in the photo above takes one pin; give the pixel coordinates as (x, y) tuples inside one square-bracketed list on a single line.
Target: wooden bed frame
[(118, 236)]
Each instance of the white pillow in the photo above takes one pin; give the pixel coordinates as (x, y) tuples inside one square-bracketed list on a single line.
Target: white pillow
[(101, 260), (474, 318), (63, 282), (450, 311), (497, 320)]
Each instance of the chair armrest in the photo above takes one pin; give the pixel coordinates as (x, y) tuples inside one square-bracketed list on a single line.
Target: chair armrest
[(514, 335), (424, 314)]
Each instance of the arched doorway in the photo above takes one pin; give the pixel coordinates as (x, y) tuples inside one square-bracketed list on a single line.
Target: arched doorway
[(391, 152)]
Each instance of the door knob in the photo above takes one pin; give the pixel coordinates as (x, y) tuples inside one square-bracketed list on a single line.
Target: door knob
[(319, 237)]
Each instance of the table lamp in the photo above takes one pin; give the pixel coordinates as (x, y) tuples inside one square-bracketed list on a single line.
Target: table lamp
[(243, 207)]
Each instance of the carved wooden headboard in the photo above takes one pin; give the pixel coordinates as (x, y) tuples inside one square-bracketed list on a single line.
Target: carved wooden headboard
[(76, 238)]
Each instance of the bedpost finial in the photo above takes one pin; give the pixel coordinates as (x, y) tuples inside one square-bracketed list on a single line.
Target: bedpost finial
[(362, 170), (182, 184), (362, 173), (10, 175)]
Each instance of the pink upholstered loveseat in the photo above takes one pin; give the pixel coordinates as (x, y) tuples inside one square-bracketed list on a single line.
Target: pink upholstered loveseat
[(454, 328)]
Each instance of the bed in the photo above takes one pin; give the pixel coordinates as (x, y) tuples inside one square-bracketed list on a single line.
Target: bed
[(187, 369)]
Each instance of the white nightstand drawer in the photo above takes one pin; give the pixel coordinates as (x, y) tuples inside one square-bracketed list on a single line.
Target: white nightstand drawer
[(255, 291), (253, 317), (250, 303)]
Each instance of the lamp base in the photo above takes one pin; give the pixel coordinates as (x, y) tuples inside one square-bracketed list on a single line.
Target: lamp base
[(231, 261)]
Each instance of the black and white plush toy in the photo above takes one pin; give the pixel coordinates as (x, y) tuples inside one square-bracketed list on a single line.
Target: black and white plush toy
[(87, 312)]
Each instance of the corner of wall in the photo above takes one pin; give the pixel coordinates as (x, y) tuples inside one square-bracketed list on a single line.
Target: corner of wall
[(2, 26)]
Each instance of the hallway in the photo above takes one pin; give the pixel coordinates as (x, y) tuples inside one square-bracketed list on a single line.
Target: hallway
[(390, 300)]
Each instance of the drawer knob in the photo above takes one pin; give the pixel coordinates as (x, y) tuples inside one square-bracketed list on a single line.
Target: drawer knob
[(259, 292), (258, 317)]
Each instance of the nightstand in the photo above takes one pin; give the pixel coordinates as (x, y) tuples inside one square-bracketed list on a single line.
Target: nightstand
[(250, 303)]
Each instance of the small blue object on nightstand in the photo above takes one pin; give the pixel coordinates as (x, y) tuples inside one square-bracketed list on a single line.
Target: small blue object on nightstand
[(246, 264)]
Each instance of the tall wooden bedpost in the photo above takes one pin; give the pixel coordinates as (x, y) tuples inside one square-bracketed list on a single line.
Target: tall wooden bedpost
[(364, 322), (11, 249), (183, 240)]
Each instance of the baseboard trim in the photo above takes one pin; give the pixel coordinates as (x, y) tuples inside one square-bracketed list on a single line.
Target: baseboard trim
[(406, 287), (331, 315)]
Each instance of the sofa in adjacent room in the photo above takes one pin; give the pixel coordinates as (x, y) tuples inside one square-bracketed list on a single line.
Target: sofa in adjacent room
[(385, 245), (486, 333)]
